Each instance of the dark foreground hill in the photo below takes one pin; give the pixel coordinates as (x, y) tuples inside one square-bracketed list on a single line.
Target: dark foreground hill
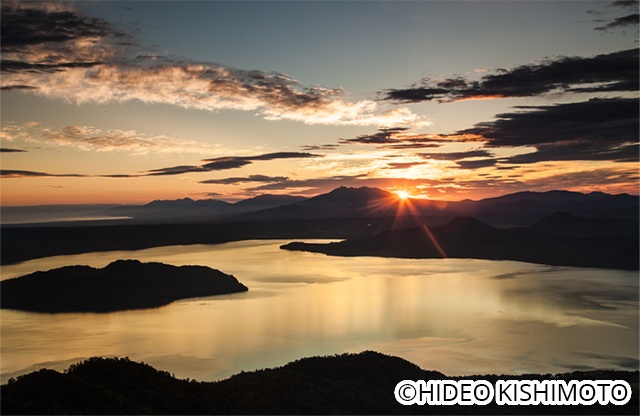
[(561, 240), (121, 285), (346, 384)]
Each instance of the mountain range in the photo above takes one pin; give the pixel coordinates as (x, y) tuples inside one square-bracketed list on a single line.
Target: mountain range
[(518, 209), (555, 227)]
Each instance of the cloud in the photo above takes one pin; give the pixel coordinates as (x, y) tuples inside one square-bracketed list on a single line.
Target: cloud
[(47, 23), (5, 150), (403, 165), (17, 87), (456, 155), (228, 162), (315, 147), (221, 163), (481, 158), (41, 38), (625, 4), (476, 164), (246, 179), (62, 54), (613, 72), (598, 129), (622, 22), (382, 136), (88, 138), (397, 138), (13, 174)]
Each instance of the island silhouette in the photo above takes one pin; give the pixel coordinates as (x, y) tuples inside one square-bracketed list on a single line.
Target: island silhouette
[(121, 285)]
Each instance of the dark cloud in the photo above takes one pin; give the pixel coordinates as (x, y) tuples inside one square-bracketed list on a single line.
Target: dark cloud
[(412, 145), (622, 22), (230, 162), (456, 155), (403, 165), (5, 150), (616, 71), (280, 155), (222, 163), (33, 26), (382, 136), (598, 129), (625, 3), (397, 138), (47, 37), (315, 147), (578, 151), (18, 66), (7, 173), (251, 178), (476, 164), (17, 87)]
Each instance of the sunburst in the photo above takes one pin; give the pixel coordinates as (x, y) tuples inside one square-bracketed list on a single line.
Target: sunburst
[(403, 194)]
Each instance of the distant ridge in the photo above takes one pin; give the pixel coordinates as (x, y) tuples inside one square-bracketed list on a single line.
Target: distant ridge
[(352, 213), (270, 200), (185, 203), (517, 209)]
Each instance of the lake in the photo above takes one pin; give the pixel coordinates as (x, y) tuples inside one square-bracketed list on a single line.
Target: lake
[(457, 316)]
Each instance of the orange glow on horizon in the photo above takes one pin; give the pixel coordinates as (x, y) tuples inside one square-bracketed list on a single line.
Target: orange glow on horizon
[(402, 194)]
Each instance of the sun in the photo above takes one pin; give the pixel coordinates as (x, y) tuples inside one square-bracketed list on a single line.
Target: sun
[(402, 194)]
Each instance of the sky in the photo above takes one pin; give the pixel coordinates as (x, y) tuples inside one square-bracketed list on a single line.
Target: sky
[(128, 102)]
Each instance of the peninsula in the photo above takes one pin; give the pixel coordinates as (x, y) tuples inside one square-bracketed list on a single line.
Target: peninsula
[(121, 285)]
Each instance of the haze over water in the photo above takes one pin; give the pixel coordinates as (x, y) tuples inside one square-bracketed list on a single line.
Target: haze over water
[(458, 316)]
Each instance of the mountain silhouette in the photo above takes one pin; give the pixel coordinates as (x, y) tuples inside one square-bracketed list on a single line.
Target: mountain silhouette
[(268, 201), (362, 383), (362, 213)]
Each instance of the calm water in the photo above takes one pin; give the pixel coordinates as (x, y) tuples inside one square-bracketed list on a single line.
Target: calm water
[(456, 316)]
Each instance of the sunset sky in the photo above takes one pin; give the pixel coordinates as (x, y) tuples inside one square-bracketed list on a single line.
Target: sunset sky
[(127, 102)]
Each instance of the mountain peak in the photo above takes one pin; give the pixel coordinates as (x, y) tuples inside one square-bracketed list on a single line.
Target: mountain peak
[(362, 192)]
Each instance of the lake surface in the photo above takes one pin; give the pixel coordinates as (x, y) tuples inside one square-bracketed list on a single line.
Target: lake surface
[(458, 316)]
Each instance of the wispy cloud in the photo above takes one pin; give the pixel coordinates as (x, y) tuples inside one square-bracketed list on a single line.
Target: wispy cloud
[(247, 179), (60, 53), (89, 138), (622, 22), (614, 72), (228, 162), (397, 138), (8, 173), (382, 136), (627, 4)]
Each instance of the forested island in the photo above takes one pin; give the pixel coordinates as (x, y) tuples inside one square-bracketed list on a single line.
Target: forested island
[(121, 285), (342, 384)]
